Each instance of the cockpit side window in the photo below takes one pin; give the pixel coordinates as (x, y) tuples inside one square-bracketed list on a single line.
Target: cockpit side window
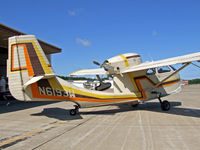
[(163, 69), (151, 71)]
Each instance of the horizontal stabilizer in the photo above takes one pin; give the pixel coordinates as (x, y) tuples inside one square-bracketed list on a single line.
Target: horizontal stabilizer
[(99, 71), (37, 78)]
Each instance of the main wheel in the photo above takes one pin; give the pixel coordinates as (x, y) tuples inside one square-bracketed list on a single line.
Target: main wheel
[(165, 105), (72, 112), (135, 105)]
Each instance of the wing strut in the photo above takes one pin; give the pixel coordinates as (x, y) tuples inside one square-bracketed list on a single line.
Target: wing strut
[(195, 65), (185, 65)]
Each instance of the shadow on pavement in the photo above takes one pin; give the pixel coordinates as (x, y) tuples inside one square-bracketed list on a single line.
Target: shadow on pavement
[(15, 105), (149, 106), (63, 114), (57, 113)]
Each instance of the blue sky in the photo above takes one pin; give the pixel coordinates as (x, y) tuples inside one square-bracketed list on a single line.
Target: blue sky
[(88, 30)]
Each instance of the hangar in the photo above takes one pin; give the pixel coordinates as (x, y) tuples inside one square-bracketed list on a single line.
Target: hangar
[(5, 33)]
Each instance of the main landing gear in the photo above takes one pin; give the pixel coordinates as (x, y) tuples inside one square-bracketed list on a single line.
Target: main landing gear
[(74, 111), (165, 105)]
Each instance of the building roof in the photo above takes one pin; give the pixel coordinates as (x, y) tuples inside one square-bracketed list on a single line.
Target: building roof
[(6, 32)]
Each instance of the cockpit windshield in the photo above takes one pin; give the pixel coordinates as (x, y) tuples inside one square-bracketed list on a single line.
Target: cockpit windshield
[(163, 69), (151, 71)]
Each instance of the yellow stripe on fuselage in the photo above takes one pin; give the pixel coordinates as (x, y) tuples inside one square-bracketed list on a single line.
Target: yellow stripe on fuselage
[(130, 75), (96, 95), (125, 60), (54, 84)]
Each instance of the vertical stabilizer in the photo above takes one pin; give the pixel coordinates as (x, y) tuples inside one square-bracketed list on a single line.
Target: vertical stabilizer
[(26, 61)]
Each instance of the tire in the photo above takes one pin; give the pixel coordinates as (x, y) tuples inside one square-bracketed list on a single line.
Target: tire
[(72, 112), (165, 105), (135, 105)]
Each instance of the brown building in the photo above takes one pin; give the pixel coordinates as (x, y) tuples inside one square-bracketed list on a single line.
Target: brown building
[(5, 33)]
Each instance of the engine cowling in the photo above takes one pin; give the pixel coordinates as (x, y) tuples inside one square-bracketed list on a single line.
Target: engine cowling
[(120, 62)]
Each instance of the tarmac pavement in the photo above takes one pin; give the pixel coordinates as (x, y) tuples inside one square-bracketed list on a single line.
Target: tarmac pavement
[(48, 125)]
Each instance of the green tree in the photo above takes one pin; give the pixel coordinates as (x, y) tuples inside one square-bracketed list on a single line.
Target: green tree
[(194, 81)]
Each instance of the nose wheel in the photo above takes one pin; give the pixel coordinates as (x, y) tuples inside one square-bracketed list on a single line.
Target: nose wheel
[(74, 111)]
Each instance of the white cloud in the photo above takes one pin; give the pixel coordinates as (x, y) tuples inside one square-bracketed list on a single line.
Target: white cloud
[(154, 33), (83, 42), (73, 12)]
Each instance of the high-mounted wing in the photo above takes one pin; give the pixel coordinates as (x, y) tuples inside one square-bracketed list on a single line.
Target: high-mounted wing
[(99, 71), (164, 62)]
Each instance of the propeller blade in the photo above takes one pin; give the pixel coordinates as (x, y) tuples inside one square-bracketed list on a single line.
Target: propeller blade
[(96, 63)]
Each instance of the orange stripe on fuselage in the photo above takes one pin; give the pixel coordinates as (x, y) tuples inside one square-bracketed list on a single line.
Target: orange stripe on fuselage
[(154, 84), (168, 84), (101, 100), (141, 89)]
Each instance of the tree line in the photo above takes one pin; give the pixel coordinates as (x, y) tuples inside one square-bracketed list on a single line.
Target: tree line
[(194, 81)]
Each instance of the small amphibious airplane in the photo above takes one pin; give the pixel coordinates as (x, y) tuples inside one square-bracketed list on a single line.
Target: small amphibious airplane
[(31, 78)]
